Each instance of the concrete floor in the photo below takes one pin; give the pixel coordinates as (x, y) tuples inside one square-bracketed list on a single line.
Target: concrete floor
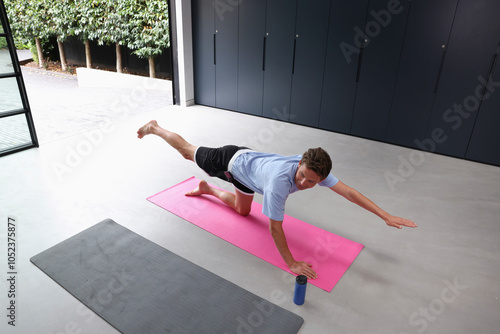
[(442, 277)]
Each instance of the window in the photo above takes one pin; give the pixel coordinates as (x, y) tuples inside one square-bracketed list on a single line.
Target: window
[(17, 131)]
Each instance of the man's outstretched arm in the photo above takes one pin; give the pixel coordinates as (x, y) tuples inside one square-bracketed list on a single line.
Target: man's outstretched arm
[(356, 197), (298, 267)]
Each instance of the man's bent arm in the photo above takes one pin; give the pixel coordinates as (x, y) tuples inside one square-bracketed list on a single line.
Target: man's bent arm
[(298, 267), (356, 197)]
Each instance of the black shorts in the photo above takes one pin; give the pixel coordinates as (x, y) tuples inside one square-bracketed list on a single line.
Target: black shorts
[(215, 162)]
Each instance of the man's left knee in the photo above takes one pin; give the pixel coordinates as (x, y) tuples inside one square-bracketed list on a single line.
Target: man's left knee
[(244, 211)]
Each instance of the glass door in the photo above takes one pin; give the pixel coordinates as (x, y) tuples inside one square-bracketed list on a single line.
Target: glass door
[(17, 131)]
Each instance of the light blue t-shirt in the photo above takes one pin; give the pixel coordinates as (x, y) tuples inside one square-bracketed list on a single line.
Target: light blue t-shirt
[(271, 175)]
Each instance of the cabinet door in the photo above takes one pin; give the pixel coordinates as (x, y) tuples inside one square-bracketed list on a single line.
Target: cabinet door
[(474, 39), (226, 58), (484, 145), (203, 52), (311, 34), (280, 36), (252, 31), (424, 51), (385, 28), (342, 55)]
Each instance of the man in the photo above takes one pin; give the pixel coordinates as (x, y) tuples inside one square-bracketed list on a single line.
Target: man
[(274, 176)]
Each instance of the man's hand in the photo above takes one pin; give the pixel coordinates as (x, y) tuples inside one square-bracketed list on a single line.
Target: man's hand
[(303, 268), (399, 222), (297, 267)]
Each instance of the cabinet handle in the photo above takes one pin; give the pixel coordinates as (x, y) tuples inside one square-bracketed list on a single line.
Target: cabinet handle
[(215, 50), (441, 64), (294, 48), (264, 54), (360, 59), (492, 68)]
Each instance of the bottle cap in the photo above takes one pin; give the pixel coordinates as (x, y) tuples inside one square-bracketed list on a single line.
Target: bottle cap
[(301, 279)]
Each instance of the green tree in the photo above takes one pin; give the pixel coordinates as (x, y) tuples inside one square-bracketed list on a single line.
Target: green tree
[(141, 25), (115, 28), (90, 16), (28, 20), (62, 22), (149, 24)]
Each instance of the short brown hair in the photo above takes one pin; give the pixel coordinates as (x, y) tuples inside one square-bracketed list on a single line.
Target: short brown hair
[(317, 160)]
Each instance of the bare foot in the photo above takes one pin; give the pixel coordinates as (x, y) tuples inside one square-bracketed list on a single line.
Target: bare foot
[(203, 188), (146, 129)]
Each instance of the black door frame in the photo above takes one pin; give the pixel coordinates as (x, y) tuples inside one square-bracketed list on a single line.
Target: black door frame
[(26, 110)]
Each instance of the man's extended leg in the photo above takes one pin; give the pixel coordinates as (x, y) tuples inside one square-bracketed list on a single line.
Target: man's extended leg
[(241, 203), (173, 139)]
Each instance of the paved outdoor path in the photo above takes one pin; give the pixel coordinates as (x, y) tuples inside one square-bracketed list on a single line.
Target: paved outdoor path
[(61, 108)]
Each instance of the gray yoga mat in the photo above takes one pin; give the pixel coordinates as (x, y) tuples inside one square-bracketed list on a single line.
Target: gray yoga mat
[(140, 287)]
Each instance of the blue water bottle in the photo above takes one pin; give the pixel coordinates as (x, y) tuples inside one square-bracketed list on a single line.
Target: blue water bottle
[(300, 290)]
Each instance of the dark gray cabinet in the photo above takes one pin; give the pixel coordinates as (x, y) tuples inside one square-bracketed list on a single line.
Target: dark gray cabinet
[(341, 65), (311, 33), (473, 42), (403, 72), (226, 58), (278, 61), (385, 28), (484, 143), (424, 53), (251, 43), (203, 13), (215, 54)]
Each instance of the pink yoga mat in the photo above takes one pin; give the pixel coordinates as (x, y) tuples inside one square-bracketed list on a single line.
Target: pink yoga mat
[(329, 254)]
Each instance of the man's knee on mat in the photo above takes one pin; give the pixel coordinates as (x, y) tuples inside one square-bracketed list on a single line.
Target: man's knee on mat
[(244, 211)]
